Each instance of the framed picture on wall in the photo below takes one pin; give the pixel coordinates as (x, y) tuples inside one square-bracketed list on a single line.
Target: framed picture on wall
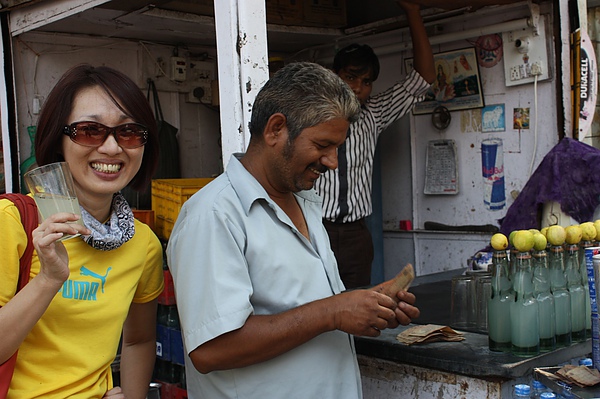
[(457, 84)]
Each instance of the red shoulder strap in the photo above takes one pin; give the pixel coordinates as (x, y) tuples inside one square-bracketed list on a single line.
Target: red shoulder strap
[(29, 217)]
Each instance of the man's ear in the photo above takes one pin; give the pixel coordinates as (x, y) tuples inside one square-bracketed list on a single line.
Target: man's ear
[(276, 129)]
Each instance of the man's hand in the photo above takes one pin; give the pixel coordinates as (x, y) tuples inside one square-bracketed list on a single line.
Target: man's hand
[(363, 312), (405, 311), (366, 312), (399, 283)]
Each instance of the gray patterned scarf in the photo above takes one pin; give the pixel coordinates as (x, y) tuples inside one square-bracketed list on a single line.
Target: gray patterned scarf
[(116, 231)]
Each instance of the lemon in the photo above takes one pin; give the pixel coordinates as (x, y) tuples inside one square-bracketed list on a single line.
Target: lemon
[(523, 240), (499, 241), (539, 241), (588, 231), (573, 234), (597, 226), (534, 231), (544, 231), (511, 237), (556, 235)]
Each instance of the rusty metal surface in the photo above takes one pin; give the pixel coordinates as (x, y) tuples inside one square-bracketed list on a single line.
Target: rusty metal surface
[(384, 379)]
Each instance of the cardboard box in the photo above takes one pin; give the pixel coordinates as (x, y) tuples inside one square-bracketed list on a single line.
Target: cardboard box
[(325, 13), (200, 7), (284, 12), (317, 13)]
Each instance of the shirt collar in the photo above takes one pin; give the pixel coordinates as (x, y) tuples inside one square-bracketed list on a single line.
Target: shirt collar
[(249, 190)]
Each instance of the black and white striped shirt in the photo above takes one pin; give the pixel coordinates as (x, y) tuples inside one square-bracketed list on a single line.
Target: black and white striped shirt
[(346, 191)]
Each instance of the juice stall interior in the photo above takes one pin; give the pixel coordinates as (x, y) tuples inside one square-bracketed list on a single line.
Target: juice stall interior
[(448, 224)]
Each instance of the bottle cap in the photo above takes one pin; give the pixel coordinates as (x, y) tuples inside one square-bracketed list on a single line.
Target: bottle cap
[(522, 389), (538, 385), (548, 395), (586, 361)]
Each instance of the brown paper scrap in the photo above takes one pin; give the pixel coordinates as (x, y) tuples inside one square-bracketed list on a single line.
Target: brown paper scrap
[(582, 376), (429, 333)]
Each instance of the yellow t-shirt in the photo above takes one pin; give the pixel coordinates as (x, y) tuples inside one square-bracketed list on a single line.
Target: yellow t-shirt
[(69, 351)]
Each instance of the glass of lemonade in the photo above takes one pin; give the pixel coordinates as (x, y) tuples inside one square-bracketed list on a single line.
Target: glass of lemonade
[(53, 191)]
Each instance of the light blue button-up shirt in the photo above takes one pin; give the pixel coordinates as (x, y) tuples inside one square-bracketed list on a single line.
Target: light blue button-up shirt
[(233, 252)]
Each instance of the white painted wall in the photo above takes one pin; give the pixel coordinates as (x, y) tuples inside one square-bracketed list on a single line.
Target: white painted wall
[(41, 59), (403, 151)]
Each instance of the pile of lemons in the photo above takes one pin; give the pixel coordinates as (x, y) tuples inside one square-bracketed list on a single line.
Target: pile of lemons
[(526, 240)]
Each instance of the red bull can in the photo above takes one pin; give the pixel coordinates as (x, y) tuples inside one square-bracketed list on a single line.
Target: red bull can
[(492, 163)]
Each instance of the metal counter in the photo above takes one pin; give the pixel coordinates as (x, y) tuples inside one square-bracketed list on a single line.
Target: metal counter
[(498, 372)]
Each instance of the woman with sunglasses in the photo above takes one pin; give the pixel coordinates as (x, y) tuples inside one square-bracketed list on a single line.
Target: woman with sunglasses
[(86, 292)]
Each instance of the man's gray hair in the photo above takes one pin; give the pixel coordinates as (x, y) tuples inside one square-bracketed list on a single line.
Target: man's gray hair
[(307, 94)]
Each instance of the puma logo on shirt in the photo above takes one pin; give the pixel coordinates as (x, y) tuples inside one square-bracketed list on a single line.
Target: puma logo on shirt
[(84, 290)]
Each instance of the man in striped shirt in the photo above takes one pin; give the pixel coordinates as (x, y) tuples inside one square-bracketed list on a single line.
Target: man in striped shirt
[(346, 191)]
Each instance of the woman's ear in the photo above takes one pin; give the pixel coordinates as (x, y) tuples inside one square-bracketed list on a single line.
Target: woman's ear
[(276, 129)]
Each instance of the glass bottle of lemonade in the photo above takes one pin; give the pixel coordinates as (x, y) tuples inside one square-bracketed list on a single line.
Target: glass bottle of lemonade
[(499, 304), (541, 291), (576, 291), (524, 310), (562, 297)]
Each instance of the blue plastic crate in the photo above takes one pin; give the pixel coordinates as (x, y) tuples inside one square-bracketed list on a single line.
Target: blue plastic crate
[(163, 342), (177, 352)]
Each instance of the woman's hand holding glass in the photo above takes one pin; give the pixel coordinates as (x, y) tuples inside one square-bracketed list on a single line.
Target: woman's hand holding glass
[(51, 251)]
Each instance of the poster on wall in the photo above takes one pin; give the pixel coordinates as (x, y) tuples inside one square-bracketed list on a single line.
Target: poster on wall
[(493, 118), (457, 85)]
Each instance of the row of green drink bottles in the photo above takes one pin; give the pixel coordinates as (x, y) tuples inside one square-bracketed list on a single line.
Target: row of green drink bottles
[(540, 299)]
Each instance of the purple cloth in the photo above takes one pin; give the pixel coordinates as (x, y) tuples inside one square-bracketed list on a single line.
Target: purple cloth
[(570, 175)]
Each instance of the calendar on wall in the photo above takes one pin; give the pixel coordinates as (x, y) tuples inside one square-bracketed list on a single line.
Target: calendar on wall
[(441, 172)]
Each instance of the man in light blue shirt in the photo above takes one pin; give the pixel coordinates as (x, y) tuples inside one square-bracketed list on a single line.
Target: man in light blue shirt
[(259, 295)]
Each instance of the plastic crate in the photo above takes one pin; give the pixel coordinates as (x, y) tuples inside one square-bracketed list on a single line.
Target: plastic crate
[(145, 216), (168, 196), (168, 390), (163, 342), (179, 393), (167, 297), (176, 346)]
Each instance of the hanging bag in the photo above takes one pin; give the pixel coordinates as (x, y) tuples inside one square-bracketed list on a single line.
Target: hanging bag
[(29, 219), (168, 159)]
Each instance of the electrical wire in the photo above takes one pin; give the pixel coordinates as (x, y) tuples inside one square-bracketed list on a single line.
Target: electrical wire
[(154, 60), (535, 129)]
